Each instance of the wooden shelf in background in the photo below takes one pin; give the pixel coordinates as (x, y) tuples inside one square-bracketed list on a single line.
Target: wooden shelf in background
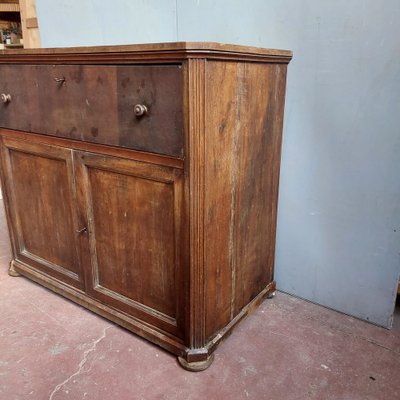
[(30, 27), (13, 46), (9, 7), (29, 21)]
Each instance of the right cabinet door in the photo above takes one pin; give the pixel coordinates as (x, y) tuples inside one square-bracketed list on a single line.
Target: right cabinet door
[(133, 261)]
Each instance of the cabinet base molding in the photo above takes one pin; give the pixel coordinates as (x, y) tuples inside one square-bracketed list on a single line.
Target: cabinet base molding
[(248, 309), (12, 271), (190, 359), (173, 345)]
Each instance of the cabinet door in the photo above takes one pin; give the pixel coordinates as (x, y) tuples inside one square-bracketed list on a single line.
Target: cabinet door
[(39, 188), (133, 214)]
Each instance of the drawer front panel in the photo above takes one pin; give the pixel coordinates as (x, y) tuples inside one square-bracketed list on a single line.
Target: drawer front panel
[(96, 104)]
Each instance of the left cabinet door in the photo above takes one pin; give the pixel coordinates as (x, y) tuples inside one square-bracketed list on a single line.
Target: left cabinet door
[(39, 190)]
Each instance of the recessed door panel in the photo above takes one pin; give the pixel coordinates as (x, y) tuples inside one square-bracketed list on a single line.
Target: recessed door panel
[(133, 214), (40, 184)]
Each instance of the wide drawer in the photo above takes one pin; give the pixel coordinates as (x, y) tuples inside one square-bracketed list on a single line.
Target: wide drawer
[(97, 104)]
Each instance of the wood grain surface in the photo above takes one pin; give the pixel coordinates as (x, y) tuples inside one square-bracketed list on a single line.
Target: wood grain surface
[(40, 195), (243, 143), (168, 221), (161, 51), (132, 212), (96, 104)]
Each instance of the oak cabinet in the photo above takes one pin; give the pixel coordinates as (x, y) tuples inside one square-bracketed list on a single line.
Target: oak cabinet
[(122, 218), (142, 182)]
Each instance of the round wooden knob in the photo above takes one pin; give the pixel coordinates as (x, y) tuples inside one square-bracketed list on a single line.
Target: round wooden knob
[(5, 97), (140, 110)]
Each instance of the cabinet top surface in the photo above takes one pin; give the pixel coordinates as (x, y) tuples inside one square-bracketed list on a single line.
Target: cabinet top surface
[(163, 51)]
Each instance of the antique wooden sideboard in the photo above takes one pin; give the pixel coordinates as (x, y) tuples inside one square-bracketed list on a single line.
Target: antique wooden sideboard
[(141, 182)]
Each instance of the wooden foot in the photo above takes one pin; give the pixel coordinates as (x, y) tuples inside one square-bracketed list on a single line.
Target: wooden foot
[(12, 271), (197, 365)]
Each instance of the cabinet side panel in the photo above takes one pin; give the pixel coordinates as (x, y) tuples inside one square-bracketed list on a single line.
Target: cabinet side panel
[(261, 120), (243, 140)]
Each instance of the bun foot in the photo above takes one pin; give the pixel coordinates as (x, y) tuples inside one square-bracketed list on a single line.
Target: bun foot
[(196, 366), (12, 271), (271, 295)]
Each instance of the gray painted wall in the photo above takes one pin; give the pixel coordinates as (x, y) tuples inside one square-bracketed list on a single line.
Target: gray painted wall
[(338, 239)]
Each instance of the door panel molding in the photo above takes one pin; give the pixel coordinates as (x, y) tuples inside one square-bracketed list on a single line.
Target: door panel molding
[(133, 214), (44, 233)]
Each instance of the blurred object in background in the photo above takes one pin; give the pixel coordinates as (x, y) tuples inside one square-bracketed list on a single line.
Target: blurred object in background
[(10, 24), (17, 21)]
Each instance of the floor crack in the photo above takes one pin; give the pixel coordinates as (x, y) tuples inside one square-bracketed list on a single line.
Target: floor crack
[(81, 363)]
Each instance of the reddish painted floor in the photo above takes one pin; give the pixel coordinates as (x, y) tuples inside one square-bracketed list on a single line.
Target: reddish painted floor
[(288, 349)]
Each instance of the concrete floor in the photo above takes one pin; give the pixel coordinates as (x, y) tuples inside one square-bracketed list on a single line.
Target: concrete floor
[(288, 349)]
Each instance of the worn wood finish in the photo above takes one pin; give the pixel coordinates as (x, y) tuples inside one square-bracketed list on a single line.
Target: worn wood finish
[(257, 198), (96, 104), (133, 220), (170, 222), (151, 158), (143, 53), (243, 143), (166, 341), (39, 186), (195, 200)]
